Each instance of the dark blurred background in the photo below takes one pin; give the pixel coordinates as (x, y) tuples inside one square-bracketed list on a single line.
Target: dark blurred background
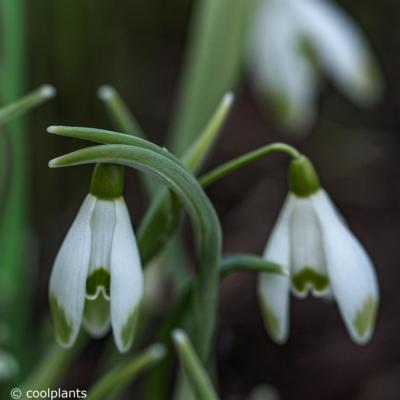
[(138, 47)]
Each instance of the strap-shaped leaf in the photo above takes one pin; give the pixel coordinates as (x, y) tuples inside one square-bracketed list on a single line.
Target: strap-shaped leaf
[(192, 367), (25, 103), (125, 372)]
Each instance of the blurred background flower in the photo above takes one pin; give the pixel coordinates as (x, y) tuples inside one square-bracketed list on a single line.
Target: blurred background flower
[(294, 42)]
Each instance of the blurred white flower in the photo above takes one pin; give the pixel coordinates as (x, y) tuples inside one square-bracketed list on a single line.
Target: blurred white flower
[(97, 274), (322, 256), (292, 40)]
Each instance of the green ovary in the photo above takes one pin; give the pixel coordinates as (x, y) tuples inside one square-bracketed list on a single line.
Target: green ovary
[(365, 316), (308, 277), (62, 325)]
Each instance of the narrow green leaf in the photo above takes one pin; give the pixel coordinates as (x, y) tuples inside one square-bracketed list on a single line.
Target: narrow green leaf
[(123, 120), (192, 367), (126, 372), (196, 154), (110, 137), (119, 113), (212, 65), (250, 263), (27, 102)]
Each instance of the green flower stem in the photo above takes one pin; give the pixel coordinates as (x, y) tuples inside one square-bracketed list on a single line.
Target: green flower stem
[(212, 65), (25, 103), (192, 367), (246, 159), (205, 224), (125, 372)]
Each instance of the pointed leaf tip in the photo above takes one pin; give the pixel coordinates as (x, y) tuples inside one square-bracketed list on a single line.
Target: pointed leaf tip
[(228, 98), (158, 351), (105, 92), (48, 91), (179, 336), (52, 129)]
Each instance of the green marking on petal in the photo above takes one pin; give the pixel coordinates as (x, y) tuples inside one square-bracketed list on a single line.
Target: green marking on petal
[(98, 278), (271, 321), (62, 325), (280, 105), (129, 328), (308, 277), (365, 316), (96, 316)]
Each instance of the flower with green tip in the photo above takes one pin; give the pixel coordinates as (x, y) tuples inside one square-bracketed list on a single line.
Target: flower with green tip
[(292, 42), (312, 241), (97, 275)]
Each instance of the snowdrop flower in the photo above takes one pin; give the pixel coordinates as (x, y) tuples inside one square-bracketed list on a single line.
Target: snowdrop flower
[(97, 274), (292, 40), (322, 256)]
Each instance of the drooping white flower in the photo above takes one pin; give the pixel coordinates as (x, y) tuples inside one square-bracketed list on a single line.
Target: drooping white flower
[(97, 276), (322, 256), (292, 40)]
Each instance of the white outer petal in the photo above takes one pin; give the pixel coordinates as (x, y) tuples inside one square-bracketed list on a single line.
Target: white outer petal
[(102, 225), (351, 272), (273, 290), (281, 70), (102, 228), (126, 276), (340, 47), (307, 250), (68, 277)]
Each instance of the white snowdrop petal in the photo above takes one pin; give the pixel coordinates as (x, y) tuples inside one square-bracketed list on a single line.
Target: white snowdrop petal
[(273, 294), (102, 225), (340, 47), (308, 269), (273, 290), (126, 279), (68, 277), (281, 71), (350, 270)]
